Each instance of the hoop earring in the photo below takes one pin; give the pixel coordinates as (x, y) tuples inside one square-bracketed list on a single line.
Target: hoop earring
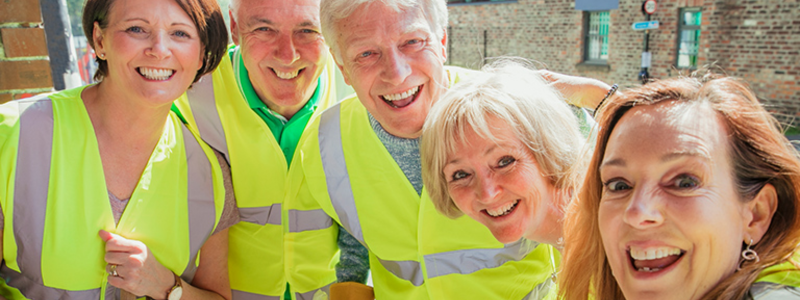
[(748, 255)]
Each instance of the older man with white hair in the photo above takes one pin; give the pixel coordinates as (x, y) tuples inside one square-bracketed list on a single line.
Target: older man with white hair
[(254, 109), (361, 165)]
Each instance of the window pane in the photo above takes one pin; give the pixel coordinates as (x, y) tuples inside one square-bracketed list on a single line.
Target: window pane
[(689, 37), (597, 36), (692, 18)]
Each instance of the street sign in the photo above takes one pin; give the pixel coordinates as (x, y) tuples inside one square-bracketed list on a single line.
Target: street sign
[(650, 6), (645, 25)]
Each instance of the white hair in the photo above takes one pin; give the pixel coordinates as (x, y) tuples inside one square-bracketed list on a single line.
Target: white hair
[(332, 11), (533, 111)]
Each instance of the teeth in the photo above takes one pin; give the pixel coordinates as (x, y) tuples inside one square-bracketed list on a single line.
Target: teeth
[(502, 211), (286, 75), (155, 74), (651, 254), (646, 269), (403, 95)]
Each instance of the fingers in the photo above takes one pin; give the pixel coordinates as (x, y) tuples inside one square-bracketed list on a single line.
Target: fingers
[(117, 243)]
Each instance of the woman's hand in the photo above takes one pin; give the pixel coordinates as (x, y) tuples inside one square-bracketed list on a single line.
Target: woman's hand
[(137, 271)]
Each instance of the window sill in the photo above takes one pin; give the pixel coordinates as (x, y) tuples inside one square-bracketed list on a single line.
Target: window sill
[(482, 3), (597, 66)]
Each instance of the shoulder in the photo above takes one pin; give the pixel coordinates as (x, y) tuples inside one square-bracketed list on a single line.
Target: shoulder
[(773, 291)]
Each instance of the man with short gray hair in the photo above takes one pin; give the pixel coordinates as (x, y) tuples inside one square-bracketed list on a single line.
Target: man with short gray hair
[(254, 109), (361, 162)]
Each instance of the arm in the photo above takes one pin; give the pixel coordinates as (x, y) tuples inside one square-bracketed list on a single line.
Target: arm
[(579, 91), (141, 274)]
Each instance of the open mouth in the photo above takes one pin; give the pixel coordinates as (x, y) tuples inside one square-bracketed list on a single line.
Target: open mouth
[(655, 259), (403, 99), (155, 73), (503, 210), (287, 75)]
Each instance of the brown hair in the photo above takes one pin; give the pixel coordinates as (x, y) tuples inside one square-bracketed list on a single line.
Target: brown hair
[(759, 154), (205, 14)]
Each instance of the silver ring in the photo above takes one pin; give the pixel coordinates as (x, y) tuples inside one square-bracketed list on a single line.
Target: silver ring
[(112, 270)]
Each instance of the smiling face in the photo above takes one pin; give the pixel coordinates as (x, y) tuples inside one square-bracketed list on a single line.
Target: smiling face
[(282, 49), (670, 218), (394, 61), (499, 184), (152, 49)]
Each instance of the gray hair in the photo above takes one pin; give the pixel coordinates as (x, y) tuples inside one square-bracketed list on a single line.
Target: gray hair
[(332, 11), (507, 90)]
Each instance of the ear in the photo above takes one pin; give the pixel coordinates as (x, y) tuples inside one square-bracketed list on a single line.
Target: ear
[(759, 212), (341, 67), (234, 28), (444, 45), (97, 36)]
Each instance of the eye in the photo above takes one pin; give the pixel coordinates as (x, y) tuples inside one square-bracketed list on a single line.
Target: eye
[(505, 161), (686, 182), (308, 31), (135, 29), (459, 175), (365, 54), (181, 33), (616, 185), (263, 29)]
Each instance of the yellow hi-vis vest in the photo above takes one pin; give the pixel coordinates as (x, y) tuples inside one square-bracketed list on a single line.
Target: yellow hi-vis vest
[(54, 201), (217, 110), (415, 252), (780, 281)]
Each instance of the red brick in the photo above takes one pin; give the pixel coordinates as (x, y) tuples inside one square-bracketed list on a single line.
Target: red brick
[(27, 11), (25, 74), (21, 42), (5, 98)]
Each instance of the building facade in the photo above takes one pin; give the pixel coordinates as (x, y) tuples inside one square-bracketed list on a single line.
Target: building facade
[(24, 62), (757, 40)]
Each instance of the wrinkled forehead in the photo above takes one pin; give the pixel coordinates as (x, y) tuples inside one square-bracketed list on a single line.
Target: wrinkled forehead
[(307, 10)]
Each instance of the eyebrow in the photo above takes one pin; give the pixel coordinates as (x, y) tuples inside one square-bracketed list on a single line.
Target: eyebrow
[(620, 162), (148, 22)]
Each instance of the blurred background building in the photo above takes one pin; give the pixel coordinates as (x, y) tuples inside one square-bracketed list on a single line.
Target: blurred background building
[(757, 40)]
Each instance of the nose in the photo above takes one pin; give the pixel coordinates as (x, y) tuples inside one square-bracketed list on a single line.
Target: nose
[(488, 189), (644, 210), (396, 68), (160, 45), (285, 52)]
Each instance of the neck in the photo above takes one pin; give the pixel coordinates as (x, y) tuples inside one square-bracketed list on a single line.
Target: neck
[(119, 119), (286, 111), (551, 230)]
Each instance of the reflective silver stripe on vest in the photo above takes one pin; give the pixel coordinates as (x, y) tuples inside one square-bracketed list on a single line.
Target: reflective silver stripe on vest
[(341, 193), (336, 176), (472, 260), (541, 290), (34, 154), (262, 215), (201, 206), (310, 295), (242, 295), (306, 220), (30, 203), (35, 290), (409, 270), (204, 110)]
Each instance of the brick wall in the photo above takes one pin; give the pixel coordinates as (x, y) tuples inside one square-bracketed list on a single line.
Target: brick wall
[(757, 40), (24, 64)]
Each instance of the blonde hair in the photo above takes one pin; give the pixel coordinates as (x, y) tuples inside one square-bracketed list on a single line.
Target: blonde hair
[(509, 91), (759, 153)]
